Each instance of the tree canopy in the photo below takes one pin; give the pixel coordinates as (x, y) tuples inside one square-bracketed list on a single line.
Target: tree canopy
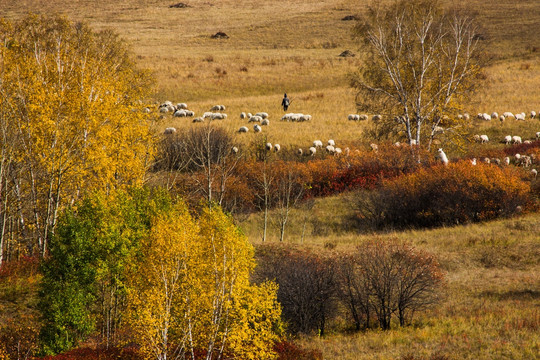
[(422, 61), (70, 121)]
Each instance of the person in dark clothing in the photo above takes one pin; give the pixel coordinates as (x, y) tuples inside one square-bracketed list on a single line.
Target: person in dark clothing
[(285, 102)]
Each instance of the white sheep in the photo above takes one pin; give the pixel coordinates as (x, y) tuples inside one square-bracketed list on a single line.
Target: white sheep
[(222, 107), (182, 106), (215, 108), (506, 160), (330, 149), (207, 114), (534, 173), (486, 160), (190, 113), (234, 150), (374, 147), (243, 129), (507, 139), (268, 146), (352, 117), (169, 130), (198, 120), (331, 142), (443, 156), (312, 151), (516, 139), (146, 110), (527, 142), (494, 115), (164, 109), (317, 144), (486, 117), (484, 138), (257, 128), (520, 116), (533, 114), (255, 118), (300, 152), (466, 116), (277, 147), (538, 135), (363, 117), (376, 117), (338, 151), (305, 117), (508, 114), (264, 115), (242, 115), (265, 122), (473, 161), (502, 118), (180, 113), (248, 115)]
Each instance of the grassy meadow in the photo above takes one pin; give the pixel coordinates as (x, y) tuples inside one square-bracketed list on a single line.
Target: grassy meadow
[(491, 307)]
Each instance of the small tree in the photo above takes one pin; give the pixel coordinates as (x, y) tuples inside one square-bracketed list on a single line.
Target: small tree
[(401, 279), (422, 60)]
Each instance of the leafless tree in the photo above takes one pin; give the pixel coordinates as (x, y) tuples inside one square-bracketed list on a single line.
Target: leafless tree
[(422, 60)]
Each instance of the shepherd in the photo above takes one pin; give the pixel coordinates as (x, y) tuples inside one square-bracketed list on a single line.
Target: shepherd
[(285, 102)]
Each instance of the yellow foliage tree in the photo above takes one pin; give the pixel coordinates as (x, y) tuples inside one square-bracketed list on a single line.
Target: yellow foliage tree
[(191, 296), (71, 120)]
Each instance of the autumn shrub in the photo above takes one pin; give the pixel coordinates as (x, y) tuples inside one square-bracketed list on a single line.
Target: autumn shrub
[(522, 148), (445, 195), (306, 286), (87, 353), (18, 337), (287, 350)]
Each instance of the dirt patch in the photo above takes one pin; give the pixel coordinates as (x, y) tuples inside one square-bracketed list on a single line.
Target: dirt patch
[(179, 6), (347, 53), (220, 35), (349, 18)]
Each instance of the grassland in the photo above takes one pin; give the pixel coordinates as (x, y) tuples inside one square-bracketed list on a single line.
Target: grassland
[(492, 306)]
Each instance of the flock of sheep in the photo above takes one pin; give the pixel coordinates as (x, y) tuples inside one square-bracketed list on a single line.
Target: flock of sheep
[(261, 119)]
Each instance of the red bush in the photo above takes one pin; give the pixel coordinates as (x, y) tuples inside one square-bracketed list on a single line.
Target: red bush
[(287, 350)]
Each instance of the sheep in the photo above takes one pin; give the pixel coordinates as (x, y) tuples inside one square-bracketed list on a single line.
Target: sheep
[(473, 161), (413, 142), (190, 113), (506, 160), (376, 117), (300, 152), (533, 114), (180, 113), (255, 118), (331, 142), (181, 106), (264, 115), (534, 173), (218, 116), (538, 135), (460, 117), (524, 161), (347, 151), (330, 149), (476, 138), (363, 117), (337, 151), (234, 150), (169, 130), (146, 110), (277, 147), (242, 115), (486, 160), (496, 161), (443, 156), (243, 129), (164, 109), (312, 150), (494, 115), (502, 118), (528, 142), (286, 117), (305, 117), (215, 108), (484, 139), (374, 147), (222, 107), (508, 114), (198, 120), (466, 117), (520, 116), (507, 139), (516, 139), (248, 115), (486, 117), (265, 122), (317, 144), (268, 146), (207, 114), (257, 128), (353, 117)]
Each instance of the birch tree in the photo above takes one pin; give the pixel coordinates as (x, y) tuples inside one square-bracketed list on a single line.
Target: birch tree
[(422, 62)]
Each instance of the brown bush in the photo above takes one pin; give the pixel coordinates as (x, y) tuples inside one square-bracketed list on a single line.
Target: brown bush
[(445, 195)]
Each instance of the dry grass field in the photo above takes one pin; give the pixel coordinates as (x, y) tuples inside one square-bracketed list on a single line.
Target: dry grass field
[(492, 305)]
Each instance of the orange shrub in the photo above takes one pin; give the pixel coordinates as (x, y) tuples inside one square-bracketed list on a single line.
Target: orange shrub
[(446, 195)]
